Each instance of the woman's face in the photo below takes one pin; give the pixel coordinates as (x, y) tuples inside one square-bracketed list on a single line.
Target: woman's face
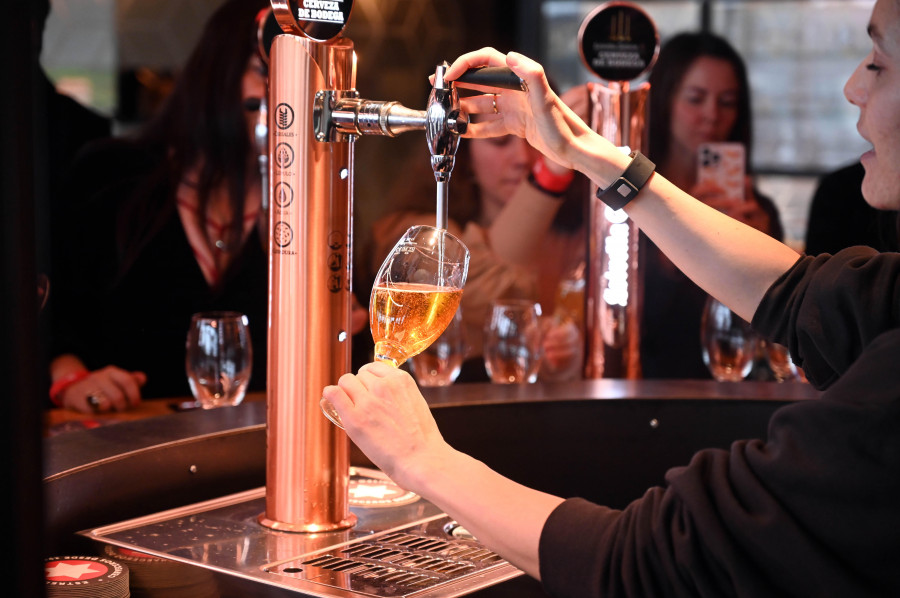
[(500, 164), (874, 87), (705, 105)]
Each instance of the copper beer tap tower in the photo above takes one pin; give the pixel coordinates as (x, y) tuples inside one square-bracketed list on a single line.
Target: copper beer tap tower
[(315, 116), (618, 42)]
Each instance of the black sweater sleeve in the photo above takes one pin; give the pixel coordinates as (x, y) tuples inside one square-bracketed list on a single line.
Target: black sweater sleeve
[(809, 511), (826, 309)]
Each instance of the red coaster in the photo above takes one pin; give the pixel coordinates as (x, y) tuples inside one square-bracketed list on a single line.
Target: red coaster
[(72, 576)]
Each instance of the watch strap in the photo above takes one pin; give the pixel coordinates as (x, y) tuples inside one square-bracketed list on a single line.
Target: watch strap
[(628, 185)]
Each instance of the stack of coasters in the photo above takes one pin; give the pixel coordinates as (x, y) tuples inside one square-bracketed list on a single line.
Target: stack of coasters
[(87, 576), (153, 576)]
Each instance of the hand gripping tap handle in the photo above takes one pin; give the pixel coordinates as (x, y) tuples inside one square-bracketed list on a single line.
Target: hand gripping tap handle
[(339, 114), (444, 123), (493, 76)]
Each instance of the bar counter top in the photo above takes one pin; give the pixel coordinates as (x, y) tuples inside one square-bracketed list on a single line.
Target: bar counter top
[(605, 440), (155, 421)]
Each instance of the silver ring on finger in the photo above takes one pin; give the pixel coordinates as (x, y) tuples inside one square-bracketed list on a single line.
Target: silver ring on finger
[(96, 400)]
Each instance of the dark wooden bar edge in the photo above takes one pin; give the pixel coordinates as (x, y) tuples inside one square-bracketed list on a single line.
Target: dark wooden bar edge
[(605, 440)]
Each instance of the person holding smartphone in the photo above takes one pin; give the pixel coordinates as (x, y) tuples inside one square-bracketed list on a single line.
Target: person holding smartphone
[(700, 99)]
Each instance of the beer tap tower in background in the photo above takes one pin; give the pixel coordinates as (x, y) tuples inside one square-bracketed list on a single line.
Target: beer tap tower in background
[(618, 42)]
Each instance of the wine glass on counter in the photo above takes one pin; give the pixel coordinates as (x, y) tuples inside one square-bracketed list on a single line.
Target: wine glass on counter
[(779, 359), (415, 296), (219, 358), (440, 363), (513, 341), (727, 341)]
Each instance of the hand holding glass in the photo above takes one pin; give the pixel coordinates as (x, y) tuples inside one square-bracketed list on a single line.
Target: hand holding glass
[(415, 295), (219, 358)]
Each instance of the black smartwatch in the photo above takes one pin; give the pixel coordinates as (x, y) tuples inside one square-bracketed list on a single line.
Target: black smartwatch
[(626, 187)]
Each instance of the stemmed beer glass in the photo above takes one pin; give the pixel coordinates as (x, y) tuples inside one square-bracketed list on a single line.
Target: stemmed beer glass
[(415, 296)]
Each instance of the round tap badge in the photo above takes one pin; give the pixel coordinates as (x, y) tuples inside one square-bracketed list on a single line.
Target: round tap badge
[(320, 20), (618, 41)]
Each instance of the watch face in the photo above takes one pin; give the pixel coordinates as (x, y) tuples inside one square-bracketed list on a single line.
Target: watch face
[(629, 184), (618, 41), (282, 234)]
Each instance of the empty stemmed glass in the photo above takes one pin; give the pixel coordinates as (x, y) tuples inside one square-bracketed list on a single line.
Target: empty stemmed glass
[(415, 296)]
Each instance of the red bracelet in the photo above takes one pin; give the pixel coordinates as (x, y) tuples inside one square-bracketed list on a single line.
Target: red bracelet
[(548, 181), (65, 382)]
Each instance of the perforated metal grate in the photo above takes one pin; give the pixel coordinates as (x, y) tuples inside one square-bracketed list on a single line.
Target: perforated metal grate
[(399, 563)]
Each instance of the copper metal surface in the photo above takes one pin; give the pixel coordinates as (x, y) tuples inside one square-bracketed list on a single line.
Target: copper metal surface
[(612, 318), (309, 284)]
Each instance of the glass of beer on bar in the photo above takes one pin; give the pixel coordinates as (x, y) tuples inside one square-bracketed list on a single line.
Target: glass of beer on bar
[(415, 296)]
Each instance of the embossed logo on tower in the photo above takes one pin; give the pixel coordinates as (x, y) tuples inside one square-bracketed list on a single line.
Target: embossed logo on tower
[(284, 116)]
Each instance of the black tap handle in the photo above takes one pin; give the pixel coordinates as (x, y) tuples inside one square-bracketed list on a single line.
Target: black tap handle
[(493, 76)]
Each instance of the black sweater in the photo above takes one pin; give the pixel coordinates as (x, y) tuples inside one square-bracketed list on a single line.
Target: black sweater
[(811, 511), (130, 281)]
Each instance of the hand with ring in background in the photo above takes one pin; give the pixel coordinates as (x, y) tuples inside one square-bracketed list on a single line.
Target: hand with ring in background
[(99, 391)]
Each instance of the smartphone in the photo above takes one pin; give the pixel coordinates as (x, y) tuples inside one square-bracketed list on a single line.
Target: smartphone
[(724, 164)]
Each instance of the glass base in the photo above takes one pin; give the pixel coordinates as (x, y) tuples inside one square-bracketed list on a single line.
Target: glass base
[(330, 413), (390, 354)]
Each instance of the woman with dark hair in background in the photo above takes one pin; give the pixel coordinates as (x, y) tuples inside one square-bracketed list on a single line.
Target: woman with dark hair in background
[(162, 225), (699, 94)]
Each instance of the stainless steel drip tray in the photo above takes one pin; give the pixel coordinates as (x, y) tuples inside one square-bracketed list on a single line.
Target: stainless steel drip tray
[(397, 549)]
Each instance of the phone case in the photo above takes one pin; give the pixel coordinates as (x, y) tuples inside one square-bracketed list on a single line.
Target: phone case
[(724, 165)]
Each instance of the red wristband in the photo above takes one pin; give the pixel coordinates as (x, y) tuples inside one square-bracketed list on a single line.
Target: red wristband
[(65, 382), (548, 181)]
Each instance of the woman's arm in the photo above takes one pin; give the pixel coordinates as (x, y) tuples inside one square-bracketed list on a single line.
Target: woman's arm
[(514, 236), (528, 215), (388, 419), (729, 260)]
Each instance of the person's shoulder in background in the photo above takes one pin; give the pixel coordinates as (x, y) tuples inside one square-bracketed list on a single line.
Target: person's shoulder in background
[(840, 217)]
